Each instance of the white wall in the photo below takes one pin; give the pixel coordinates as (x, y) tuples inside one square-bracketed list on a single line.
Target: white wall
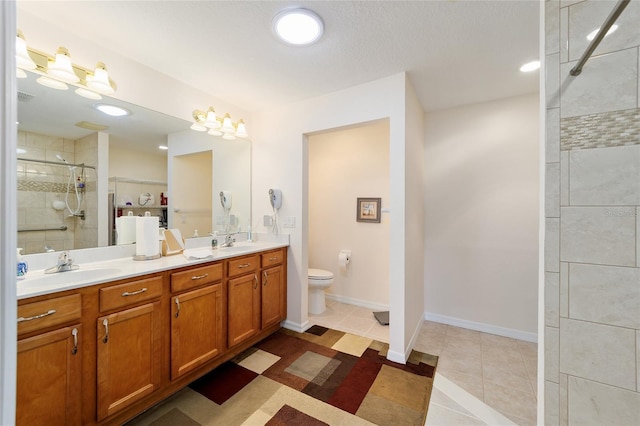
[(344, 165), (280, 161), (414, 216), (129, 163), (481, 216)]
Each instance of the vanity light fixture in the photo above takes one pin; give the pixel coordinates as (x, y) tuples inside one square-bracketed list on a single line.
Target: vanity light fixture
[(58, 69), (112, 110), (297, 26), (530, 66), (216, 126)]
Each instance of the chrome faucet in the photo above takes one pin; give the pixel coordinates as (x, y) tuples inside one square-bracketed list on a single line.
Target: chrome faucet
[(228, 241), (65, 263)]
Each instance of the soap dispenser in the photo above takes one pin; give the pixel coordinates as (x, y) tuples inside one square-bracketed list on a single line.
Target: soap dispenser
[(22, 265)]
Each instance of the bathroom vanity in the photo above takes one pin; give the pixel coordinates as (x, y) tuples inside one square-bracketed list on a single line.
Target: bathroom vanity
[(105, 348)]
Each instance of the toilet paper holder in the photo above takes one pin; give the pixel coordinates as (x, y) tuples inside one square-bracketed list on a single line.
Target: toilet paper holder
[(345, 256)]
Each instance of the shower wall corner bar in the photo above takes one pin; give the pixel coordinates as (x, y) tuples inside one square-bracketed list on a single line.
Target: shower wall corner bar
[(602, 32)]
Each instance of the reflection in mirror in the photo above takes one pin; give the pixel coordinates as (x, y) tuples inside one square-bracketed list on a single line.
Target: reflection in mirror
[(78, 169)]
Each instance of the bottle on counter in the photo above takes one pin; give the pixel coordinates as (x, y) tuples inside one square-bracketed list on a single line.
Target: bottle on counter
[(214, 241), (23, 267)]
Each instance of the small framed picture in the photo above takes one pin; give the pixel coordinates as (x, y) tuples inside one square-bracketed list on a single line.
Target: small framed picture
[(368, 210)]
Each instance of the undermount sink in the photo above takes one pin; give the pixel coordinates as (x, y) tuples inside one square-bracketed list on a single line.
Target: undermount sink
[(42, 280), (234, 248)]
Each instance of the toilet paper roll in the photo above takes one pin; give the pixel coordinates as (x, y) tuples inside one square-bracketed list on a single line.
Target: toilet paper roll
[(344, 259), (147, 236), (126, 230)]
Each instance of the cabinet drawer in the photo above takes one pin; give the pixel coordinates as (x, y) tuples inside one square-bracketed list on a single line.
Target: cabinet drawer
[(243, 265), (46, 313), (271, 258), (196, 277), (117, 296)]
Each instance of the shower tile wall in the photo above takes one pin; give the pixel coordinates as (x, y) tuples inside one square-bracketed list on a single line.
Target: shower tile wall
[(39, 185), (592, 241)]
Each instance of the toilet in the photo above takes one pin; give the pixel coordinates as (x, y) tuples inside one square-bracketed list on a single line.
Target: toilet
[(319, 280)]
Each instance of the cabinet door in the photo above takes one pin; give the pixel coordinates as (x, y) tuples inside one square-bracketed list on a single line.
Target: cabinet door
[(243, 308), (196, 329), (129, 357), (49, 372), (273, 297)]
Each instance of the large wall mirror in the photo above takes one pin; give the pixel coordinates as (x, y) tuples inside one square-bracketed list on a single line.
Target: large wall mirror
[(79, 169)]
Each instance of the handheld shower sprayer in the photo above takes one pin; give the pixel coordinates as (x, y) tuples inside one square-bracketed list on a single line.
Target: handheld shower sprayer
[(72, 181)]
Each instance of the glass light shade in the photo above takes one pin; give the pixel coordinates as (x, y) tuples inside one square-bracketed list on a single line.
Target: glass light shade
[(241, 132), (88, 93), (227, 125), (211, 122), (215, 132), (23, 60), (228, 137), (99, 81), (61, 67), (299, 27), (50, 82), (198, 127), (20, 73)]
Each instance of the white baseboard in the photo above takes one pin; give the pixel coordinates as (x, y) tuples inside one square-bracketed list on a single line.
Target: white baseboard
[(296, 326), (357, 302), (485, 328), (403, 357)]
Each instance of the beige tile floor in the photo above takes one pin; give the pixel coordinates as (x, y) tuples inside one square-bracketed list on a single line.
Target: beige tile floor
[(499, 371)]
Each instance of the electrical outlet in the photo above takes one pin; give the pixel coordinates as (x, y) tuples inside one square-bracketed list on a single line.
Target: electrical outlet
[(289, 222), (267, 220)]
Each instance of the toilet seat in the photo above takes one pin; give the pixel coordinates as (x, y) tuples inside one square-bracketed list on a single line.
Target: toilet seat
[(319, 274)]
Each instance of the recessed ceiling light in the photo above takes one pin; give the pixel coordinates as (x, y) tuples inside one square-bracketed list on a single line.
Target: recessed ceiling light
[(163, 147), (594, 33), (530, 66), (112, 110), (300, 27)]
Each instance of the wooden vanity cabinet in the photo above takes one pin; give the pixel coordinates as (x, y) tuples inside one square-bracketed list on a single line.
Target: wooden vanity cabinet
[(274, 291), (197, 318), (243, 299), (129, 344), (102, 354), (49, 363)]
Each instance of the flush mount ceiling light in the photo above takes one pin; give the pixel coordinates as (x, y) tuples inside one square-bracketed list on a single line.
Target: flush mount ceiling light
[(594, 33), (300, 27), (530, 66), (112, 110), (208, 121)]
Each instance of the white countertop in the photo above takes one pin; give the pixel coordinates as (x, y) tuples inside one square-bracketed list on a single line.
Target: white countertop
[(38, 283)]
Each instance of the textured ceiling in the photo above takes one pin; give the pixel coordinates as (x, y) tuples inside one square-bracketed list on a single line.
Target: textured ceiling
[(455, 52)]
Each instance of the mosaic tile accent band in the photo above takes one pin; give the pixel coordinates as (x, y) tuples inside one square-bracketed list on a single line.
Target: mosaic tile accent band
[(321, 377), (603, 130), (61, 188)]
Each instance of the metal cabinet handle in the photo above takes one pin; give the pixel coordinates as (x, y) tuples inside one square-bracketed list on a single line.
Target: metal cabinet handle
[(264, 275), (105, 322), (49, 312), (244, 265), (273, 258), (74, 333), (178, 307), (255, 278), (199, 277), (133, 293)]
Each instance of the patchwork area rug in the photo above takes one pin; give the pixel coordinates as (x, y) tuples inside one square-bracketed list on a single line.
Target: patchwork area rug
[(320, 377)]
